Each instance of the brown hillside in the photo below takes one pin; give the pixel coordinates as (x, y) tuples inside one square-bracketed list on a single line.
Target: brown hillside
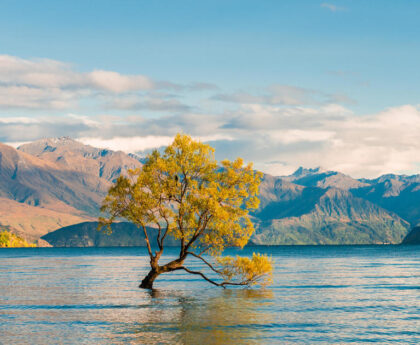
[(32, 222)]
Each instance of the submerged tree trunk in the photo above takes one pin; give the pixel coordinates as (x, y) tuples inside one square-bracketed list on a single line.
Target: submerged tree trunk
[(147, 282)]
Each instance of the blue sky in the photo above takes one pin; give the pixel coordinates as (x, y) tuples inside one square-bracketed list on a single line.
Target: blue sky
[(231, 64)]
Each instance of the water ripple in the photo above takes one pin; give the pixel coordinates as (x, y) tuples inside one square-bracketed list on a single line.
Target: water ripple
[(320, 295)]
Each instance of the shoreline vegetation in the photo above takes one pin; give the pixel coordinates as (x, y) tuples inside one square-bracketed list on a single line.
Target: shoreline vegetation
[(10, 240)]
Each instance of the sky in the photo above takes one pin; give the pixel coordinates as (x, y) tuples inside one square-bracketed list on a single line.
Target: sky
[(282, 84)]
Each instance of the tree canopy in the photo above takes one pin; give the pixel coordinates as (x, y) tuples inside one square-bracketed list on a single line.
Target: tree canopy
[(184, 192)]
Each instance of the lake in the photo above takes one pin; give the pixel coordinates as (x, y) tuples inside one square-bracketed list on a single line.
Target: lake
[(320, 295)]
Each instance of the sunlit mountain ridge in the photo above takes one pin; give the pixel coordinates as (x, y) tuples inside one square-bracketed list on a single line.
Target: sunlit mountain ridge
[(66, 180)]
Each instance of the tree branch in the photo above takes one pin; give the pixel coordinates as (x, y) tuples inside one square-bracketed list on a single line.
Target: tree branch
[(198, 232), (236, 284), (166, 230), (205, 261), (201, 274), (158, 236), (223, 285), (149, 248)]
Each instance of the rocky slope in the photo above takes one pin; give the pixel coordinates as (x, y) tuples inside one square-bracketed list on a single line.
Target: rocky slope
[(69, 154), (297, 214), (397, 193), (31, 222), (38, 182), (65, 181), (55, 182), (318, 177)]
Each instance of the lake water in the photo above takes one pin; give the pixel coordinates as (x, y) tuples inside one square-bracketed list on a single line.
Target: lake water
[(320, 295)]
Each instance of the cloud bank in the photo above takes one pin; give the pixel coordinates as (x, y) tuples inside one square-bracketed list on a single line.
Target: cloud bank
[(53, 85), (278, 127), (278, 140)]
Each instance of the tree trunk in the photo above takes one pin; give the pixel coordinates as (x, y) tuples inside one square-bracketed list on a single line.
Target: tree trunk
[(147, 282)]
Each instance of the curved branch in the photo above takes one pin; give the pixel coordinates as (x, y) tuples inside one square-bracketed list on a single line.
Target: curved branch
[(158, 236), (201, 274), (167, 227), (223, 285), (199, 231), (205, 261), (237, 284), (149, 248)]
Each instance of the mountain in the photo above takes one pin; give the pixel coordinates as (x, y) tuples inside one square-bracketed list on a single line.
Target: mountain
[(86, 235), (69, 154), (31, 222), (38, 182), (397, 193), (61, 174), (298, 214), (318, 177), (413, 236), (53, 183)]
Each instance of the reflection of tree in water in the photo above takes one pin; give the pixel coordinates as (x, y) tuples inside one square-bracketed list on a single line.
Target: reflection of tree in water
[(224, 317), (232, 317)]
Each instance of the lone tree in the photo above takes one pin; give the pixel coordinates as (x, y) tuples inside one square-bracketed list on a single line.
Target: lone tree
[(185, 194)]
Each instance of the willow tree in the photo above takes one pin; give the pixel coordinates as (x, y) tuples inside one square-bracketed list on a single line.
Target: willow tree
[(186, 194)]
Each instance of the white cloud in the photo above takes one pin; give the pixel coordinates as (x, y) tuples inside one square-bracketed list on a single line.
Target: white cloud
[(297, 135), (51, 74), (86, 120), (18, 96), (48, 84), (362, 146), (18, 119), (137, 144), (128, 144), (276, 139), (332, 7), (279, 129), (134, 102), (273, 95), (278, 94), (115, 82), (16, 144)]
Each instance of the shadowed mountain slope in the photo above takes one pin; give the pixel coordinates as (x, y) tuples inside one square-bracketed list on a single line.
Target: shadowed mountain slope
[(413, 236), (397, 193), (86, 235), (314, 215), (311, 206)]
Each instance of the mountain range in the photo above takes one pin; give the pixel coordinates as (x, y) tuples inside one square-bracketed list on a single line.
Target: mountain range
[(57, 182)]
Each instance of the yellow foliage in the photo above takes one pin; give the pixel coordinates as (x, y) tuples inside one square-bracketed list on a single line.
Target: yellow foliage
[(9, 240), (247, 271), (186, 194)]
